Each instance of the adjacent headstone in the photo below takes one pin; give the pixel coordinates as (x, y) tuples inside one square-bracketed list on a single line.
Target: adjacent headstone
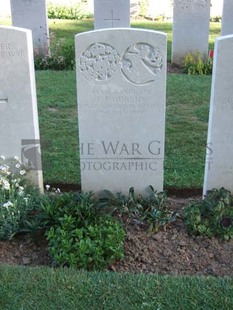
[(111, 14), (32, 14), (219, 157), (121, 81), (190, 28), (18, 106), (227, 18)]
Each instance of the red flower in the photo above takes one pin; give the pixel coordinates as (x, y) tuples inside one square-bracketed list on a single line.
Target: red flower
[(211, 53)]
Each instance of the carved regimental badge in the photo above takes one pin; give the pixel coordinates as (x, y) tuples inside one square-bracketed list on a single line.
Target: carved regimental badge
[(140, 63), (99, 62)]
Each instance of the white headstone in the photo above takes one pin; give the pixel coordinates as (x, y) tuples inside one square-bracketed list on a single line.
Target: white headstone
[(32, 14), (111, 13), (219, 158), (227, 18), (121, 86), (18, 106), (190, 28)]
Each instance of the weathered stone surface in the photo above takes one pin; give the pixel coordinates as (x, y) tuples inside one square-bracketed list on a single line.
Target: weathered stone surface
[(227, 18), (190, 28), (219, 155), (121, 80), (32, 14), (111, 13), (18, 104)]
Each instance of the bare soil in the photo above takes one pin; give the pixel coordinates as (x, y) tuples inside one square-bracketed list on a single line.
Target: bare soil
[(172, 251), (173, 68)]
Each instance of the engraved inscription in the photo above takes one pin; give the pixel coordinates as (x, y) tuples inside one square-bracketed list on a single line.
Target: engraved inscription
[(121, 102), (141, 62), (9, 51), (99, 62)]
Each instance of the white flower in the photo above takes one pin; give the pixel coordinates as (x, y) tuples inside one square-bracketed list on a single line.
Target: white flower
[(47, 187), (2, 157), (16, 157), (6, 184), (7, 204), (22, 172), (26, 199), (21, 190), (17, 165), (4, 168), (58, 191)]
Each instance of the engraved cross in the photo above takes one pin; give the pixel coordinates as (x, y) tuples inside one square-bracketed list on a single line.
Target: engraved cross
[(112, 19)]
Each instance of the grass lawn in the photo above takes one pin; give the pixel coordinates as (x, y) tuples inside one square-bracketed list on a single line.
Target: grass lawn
[(44, 288)]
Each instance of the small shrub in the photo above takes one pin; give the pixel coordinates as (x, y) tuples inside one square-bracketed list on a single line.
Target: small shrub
[(78, 234), (17, 197), (151, 209), (213, 216), (195, 65), (92, 247)]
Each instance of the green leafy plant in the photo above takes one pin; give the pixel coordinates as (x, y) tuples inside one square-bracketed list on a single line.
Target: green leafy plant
[(156, 211), (216, 19), (213, 216), (74, 11), (53, 206), (17, 196), (194, 64), (151, 209), (91, 247), (78, 234)]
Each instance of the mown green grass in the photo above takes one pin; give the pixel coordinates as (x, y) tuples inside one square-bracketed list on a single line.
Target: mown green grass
[(56, 93), (186, 130), (44, 288)]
